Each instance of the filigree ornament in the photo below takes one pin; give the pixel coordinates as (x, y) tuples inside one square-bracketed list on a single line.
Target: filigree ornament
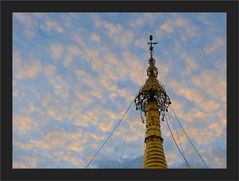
[(152, 88)]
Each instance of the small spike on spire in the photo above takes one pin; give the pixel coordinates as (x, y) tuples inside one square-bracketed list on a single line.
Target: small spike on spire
[(151, 45)]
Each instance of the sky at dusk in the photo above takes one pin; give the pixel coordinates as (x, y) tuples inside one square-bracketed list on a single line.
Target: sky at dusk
[(75, 74)]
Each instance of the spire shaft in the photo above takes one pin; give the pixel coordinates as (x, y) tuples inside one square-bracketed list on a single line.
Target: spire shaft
[(154, 153), (153, 100)]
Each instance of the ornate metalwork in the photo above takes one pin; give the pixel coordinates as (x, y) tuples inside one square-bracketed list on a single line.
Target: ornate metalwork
[(152, 88), (158, 94)]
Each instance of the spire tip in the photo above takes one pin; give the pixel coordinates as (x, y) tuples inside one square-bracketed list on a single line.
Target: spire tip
[(151, 44), (150, 37)]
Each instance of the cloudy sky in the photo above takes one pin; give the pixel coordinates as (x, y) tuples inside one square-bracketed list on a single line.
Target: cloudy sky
[(75, 74)]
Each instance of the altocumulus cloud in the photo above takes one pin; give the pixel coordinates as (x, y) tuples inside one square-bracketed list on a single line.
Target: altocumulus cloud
[(72, 81)]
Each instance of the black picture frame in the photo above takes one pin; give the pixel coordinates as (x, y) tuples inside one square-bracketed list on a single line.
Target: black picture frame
[(229, 7)]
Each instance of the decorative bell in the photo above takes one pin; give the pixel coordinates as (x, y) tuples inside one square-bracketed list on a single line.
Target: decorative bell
[(142, 120)]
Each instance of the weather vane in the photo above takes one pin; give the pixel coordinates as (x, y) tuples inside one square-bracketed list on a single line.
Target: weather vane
[(151, 45)]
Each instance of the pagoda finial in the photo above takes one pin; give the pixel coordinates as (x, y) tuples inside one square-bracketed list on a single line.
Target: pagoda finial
[(151, 45), (153, 101), (152, 86)]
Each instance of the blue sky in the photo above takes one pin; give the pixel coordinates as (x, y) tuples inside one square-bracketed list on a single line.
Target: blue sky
[(75, 74)]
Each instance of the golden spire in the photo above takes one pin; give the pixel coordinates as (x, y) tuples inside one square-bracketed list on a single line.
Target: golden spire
[(153, 100)]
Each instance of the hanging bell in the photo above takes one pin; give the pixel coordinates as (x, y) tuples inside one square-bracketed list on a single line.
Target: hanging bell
[(141, 117), (142, 120)]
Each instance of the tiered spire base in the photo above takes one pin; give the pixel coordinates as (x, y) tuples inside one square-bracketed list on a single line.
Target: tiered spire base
[(154, 152)]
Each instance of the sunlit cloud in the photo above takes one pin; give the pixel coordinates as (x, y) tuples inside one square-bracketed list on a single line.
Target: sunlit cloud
[(171, 25), (95, 37), (190, 63), (56, 50), (28, 162), (215, 45), (216, 80), (121, 36), (27, 22), (27, 69), (24, 124), (53, 26), (195, 97), (139, 21)]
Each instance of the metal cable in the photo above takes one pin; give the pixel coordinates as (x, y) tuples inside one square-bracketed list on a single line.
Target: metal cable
[(170, 120), (188, 137), (176, 143), (110, 134), (126, 136)]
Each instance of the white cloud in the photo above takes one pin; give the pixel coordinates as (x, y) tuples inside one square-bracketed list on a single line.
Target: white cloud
[(142, 19), (51, 25), (133, 68), (195, 96), (121, 36), (60, 85), (24, 124), (77, 38), (171, 25), (192, 30), (56, 50), (27, 69), (95, 37), (60, 145), (204, 136), (215, 45), (29, 24), (140, 43), (112, 70), (72, 51), (26, 162), (212, 82), (24, 18), (191, 64)]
